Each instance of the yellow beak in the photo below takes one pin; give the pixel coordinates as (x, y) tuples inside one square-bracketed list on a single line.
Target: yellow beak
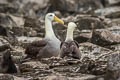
[(58, 20)]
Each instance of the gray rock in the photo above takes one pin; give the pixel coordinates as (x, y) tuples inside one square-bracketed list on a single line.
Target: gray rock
[(55, 77), (84, 22), (112, 2), (113, 67), (4, 44), (104, 38), (7, 65), (109, 12), (75, 5)]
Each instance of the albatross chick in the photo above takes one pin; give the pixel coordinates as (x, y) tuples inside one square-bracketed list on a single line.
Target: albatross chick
[(70, 47)]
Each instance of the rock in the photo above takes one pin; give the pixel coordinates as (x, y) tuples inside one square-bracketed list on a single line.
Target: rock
[(19, 78), (42, 4), (75, 5), (9, 7), (113, 2), (4, 44), (6, 77), (65, 5), (31, 32), (104, 3), (83, 37), (6, 21), (18, 20), (113, 67), (25, 41), (36, 24), (9, 23), (115, 47), (6, 25), (35, 67), (7, 65), (104, 38), (87, 77), (18, 31), (10, 77), (34, 8), (11, 38), (109, 12), (57, 78), (115, 22), (84, 22), (95, 57), (58, 14)]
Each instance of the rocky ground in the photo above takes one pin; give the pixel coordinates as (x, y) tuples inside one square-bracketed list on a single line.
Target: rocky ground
[(22, 21)]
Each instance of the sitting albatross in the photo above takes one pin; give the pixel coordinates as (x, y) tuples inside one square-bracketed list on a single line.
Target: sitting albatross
[(70, 47), (50, 45)]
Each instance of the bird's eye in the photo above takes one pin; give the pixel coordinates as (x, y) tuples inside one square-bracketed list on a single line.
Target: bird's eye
[(50, 15)]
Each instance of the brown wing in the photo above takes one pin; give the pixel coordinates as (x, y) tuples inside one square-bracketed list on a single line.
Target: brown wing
[(75, 50), (70, 49), (33, 49), (63, 47), (76, 43)]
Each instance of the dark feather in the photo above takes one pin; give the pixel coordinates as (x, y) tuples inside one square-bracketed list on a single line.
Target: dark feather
[(70, 49), (33, 49)]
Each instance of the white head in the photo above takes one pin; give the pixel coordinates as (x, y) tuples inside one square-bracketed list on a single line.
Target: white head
[(71, 25), (51, 17), (49, 33)]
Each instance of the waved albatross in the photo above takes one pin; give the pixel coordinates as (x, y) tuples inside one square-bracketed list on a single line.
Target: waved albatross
[(70, 47), (50, 45)]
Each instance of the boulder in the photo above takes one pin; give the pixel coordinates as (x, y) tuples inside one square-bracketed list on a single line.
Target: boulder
[(7, 65), (75, 5), (104, 38), (4, 44), (82, 37), (84, 22), (9, 7), (10, 77), (115, 22), (55, 77), (113, 2), (113, 66), (109, 12)]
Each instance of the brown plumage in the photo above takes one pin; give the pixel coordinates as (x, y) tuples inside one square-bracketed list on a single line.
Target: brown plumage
[(50, 45), (69, 47), (33, 49)]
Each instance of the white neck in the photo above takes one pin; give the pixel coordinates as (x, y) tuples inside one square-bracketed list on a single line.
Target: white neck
[(49, 33), (69, 34)]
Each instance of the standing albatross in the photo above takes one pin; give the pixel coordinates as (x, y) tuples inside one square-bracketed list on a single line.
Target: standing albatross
[(50, 45), (70, 47)]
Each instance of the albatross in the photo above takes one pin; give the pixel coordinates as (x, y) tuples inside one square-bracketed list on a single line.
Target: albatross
[(70, 47), (50, 45)]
